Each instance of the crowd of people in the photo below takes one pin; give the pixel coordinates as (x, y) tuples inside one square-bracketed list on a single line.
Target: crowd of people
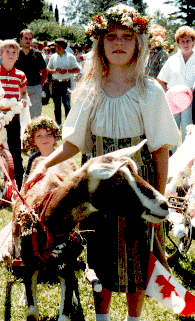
[(118, 98)]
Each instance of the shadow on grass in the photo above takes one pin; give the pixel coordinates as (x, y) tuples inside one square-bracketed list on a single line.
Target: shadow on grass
[(8, 301), (184, 268)]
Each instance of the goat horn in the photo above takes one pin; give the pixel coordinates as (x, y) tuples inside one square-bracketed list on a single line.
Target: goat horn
[(128, 151)]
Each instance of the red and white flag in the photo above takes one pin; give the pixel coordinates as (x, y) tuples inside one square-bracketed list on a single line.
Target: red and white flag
[(163, 287)]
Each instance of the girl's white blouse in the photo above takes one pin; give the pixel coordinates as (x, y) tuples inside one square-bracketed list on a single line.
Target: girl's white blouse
[(123, 117)]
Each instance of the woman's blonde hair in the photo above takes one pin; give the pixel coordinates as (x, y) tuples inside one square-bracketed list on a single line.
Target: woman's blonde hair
[(183, 32), (96, 67)]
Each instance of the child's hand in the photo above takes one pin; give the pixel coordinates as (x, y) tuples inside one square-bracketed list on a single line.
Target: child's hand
[(24, 102), (37, 174)]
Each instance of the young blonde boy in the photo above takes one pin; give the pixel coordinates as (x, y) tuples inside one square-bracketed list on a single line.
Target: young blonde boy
[(14, 84)]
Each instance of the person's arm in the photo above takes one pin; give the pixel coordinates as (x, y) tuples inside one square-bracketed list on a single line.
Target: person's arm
[(62, 153), (163, 84), (161, 160), (43, 76), (23, 95), (69, 71)]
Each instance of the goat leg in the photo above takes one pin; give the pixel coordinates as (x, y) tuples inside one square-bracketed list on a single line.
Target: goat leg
[(66, 297), (31, 291)]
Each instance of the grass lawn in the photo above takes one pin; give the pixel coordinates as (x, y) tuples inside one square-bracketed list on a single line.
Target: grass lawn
[(11, 287)]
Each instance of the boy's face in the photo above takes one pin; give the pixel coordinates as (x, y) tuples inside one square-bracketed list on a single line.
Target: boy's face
[(45, 141), (9, 56)]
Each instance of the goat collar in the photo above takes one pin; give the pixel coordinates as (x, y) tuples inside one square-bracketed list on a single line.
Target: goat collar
[(49, 246)]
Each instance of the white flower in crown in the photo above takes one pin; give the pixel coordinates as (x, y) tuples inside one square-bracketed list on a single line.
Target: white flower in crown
[(127, 21)]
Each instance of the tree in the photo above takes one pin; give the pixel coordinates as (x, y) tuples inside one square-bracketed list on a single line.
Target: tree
[(57, 14), (18, 14), (186, 11), (139, 5), (81, 11)]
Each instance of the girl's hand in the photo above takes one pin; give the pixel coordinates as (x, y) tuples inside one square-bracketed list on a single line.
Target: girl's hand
[(37, 174)]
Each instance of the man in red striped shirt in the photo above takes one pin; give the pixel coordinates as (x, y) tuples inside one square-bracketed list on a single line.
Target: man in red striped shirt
[(14, 84)]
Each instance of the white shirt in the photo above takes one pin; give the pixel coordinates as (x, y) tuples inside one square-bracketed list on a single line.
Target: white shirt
[(66, 61), (123, 117), (176, 72)]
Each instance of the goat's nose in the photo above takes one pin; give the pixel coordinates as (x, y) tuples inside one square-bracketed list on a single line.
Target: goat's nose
[(164, 206)]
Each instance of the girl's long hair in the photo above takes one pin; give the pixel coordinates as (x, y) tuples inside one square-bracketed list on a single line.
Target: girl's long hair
[(96, 68)]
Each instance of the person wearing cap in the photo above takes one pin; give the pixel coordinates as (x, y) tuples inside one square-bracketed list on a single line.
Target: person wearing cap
[(62, 65), (180, 70)]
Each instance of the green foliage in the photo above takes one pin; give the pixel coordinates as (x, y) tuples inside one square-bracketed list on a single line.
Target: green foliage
[(50, 30), (139, 5), (185, 11), (81, 11), (17, 14), (57, 14)]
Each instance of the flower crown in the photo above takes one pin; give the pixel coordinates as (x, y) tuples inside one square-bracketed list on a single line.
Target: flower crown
[(42, 122), (118, 15), (157, 37)]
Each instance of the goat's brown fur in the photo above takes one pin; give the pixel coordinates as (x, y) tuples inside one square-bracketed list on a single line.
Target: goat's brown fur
[(43, 188)]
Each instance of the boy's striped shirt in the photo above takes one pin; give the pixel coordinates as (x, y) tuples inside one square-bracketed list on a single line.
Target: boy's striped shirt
[(12, 81)]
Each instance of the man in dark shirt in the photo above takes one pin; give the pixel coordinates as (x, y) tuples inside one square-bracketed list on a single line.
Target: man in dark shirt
[(31, 62)]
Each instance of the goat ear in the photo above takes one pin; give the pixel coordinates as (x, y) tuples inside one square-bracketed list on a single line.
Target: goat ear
[(100, 171), (127, 152)]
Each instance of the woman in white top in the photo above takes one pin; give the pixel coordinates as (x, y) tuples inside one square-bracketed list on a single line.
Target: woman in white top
[(180, 70), (116, 106)]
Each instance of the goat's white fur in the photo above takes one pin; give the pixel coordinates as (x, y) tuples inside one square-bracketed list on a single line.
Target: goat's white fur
[(101, 171), (62, 317), (33, 309)]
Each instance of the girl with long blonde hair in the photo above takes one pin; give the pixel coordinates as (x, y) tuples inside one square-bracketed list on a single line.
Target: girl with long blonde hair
[(115, 106)]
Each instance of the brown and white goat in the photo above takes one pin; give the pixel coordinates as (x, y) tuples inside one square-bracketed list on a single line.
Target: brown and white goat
[(89, 189)]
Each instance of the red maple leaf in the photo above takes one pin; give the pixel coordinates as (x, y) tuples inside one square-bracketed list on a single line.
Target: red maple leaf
[(167, 287)]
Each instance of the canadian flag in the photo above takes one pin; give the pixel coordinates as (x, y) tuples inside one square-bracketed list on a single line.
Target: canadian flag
[(163, 287)]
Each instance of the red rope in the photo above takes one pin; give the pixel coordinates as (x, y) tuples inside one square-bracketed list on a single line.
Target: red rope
[(29, 208)]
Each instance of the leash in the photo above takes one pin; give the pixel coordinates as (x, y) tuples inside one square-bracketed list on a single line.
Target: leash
[(32, 212), (13, 184)]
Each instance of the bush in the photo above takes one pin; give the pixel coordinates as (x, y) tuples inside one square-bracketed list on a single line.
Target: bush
[(50, 30)]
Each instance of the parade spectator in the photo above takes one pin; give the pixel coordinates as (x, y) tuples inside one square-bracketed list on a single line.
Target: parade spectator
[(180, 70), (31, 62), (157, 54), (62, 65), (40, 138), (14, 84)]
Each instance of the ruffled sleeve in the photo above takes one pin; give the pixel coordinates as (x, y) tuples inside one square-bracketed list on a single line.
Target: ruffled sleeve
[(76, 128), (160, 127)]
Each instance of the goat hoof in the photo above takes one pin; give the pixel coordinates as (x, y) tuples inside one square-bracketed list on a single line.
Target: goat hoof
[(63, 318), (32, 314)]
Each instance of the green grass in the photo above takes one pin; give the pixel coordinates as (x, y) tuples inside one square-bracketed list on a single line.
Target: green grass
[(11, 287)]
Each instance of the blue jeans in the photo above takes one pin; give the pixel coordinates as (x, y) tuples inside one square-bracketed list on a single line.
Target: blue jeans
[(183, 119), (60, 95)]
